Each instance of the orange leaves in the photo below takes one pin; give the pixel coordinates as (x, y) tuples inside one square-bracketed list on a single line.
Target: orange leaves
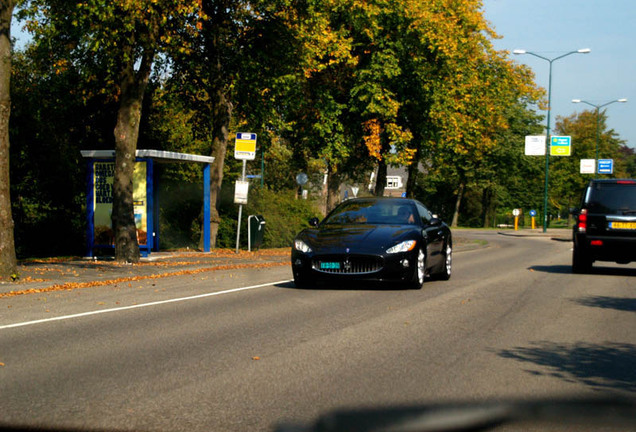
[(68, 286), (372, 131)]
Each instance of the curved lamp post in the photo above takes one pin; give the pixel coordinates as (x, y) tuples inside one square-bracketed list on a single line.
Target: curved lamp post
[(598, 124), (547, 143)]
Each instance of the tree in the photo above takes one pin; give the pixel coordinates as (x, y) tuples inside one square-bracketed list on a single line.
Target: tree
[(8, 261), (470, 95), (124, 36), (566, 181)]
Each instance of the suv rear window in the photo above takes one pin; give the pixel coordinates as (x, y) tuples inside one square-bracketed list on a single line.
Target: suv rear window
[(615, 198)]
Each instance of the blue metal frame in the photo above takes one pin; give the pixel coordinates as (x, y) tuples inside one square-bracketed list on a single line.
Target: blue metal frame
[(152, 208), (206, 208), (144, 250), (90, 209)]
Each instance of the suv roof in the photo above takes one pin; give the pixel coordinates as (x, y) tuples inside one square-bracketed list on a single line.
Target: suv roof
[(610, 196)]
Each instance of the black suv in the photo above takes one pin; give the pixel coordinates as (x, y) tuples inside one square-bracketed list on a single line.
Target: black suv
[(605, 228)]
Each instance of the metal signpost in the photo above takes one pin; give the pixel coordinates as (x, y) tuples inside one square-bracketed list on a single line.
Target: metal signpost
[(605, 166), (533, 215), (535, 145), (302, 179), (588, 166), (516, 213), (244, 149), (560, 145)]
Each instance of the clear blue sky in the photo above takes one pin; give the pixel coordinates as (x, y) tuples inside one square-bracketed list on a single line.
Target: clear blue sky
[(554, 27)]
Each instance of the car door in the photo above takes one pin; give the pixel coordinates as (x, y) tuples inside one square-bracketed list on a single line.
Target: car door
[(433, 234)]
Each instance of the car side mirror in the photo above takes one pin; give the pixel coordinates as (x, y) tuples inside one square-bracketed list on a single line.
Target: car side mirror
[(435, 221), (314, 222)]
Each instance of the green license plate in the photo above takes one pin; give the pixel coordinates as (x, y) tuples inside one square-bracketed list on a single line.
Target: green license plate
[(623, 225), (330, 265)]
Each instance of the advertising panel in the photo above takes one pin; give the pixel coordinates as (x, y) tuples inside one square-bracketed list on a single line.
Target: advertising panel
[(104, 173)]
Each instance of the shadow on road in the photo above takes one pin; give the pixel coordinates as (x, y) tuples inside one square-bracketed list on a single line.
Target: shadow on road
[(596, 270), (611, 366), (346, 286), (552, 269), (605, 302)]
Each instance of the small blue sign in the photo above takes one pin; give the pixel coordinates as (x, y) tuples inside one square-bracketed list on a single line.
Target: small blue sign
[(533, 213), (403, 194), (605, 166)]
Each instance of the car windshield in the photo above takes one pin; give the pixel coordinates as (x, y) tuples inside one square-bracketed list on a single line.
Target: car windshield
[(372, 212), (616, 198)]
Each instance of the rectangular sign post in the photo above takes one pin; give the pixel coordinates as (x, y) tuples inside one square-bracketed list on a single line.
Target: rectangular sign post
[(605, 166), (535, 145), (244, 149), (560, 146), (588, 166), (245, 146)]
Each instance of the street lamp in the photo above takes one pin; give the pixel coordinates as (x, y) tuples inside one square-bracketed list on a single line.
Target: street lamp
[(547, 152), (598, 123)]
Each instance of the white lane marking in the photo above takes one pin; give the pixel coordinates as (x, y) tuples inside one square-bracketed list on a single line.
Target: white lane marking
[(123, 308)]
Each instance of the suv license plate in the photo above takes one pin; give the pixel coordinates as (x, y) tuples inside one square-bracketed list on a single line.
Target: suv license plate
[(623, 225)]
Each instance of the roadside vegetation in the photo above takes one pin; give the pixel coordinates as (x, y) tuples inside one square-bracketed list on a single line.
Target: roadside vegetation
[(334, 89)]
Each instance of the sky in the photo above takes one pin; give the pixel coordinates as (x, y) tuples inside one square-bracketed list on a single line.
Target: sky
[(551, 28)]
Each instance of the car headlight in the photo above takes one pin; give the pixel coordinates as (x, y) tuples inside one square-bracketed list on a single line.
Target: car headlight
[(405, 246), (301, 246)]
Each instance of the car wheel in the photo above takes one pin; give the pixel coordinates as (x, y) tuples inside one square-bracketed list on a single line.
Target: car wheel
[(581, 262), (445, 274), (420, 271)]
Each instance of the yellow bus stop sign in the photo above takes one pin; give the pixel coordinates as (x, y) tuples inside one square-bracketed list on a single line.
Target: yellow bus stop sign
[(245, 146)]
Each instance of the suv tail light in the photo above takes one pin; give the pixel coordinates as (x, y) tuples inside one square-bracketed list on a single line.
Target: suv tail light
[(582, 221)]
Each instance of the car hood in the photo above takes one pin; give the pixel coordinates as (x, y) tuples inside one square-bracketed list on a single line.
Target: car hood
[(356, 238)]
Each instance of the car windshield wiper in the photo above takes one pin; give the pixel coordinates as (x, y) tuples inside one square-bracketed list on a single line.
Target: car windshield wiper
[(484, 416)]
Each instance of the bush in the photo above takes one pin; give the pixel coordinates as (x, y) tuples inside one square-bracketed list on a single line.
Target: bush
[(284, 214)]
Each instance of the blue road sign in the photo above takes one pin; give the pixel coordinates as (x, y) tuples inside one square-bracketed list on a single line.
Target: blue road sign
[(605, 166), (533, 213)]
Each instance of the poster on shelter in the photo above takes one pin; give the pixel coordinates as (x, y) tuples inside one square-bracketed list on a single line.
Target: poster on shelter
[(104, 173)]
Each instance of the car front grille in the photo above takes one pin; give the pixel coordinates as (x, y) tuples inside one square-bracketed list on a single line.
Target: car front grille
[(348, 265)]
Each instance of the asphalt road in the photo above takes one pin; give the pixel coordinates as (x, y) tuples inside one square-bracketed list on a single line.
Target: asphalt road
[(194, 353)]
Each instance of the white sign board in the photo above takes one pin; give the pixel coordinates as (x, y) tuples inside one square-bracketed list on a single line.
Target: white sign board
[(240, 192), (588, 166), (245, 146), (535, 145)]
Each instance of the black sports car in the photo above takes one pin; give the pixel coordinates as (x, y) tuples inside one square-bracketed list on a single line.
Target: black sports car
[(379, 239)]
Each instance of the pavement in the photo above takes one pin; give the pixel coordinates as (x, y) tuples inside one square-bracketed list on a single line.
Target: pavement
[(68, 273), (559, 234)]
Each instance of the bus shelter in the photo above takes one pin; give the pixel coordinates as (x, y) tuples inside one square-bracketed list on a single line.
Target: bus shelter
[(99, 197)]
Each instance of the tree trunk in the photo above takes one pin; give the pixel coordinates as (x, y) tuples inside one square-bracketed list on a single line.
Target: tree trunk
[(458, 203), (380, 180), (216, 82), (487, 205), (8, 261), (221, 117), (333, 189), (413, 171), (133, 86)]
